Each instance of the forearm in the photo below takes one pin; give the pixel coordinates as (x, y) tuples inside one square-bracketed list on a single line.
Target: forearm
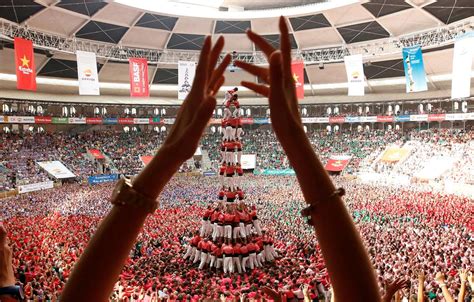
[(462, 292), (446, 294), (340, 242), (97, 270), (420, 296)]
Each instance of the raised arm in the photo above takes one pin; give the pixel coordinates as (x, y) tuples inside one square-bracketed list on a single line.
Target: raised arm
[(99, 266), (393, 288), (421, 284), (462, 290), (340, 242), (442, 283)]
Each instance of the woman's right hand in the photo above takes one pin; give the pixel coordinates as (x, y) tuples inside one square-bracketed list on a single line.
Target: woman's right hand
[(280, 89)]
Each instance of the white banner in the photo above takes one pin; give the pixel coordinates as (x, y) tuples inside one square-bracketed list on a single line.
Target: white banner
[(77, 120), (35, 187), (322, 120), (21, 119), (249, 161), (87, 73), (368, 119), (186, 71), (419, 118), (141, 121), (56, 168), (355, 75), (462, 65)]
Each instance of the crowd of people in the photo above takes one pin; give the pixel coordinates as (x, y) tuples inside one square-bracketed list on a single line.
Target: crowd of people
[(406, 232), (21, 152)]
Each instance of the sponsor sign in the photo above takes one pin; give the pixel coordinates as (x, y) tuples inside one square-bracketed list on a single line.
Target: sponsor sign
[(87, 73), (141, 121), (436, 117), (57, 169), (352, 119), (368, 119), (169, 121), (98, 179), (209, 173), (35, 187), (43, 120), (60, 120), (21, 119), (25, 64), (246, 120), (138, 77), (337, 120), (249, 161), (77, 120), (275, 172), (155, 120), (261, 121), (110, 121), (419, 118), (402, 118), (355, 75), (414, 69), (462, 65), (385, 119), (93, 120), (125, 121), (394, 154)]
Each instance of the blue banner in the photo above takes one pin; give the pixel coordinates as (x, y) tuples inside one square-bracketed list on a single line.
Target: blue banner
[(110, 121), (260, 121), (352, 119), (275, 172), (414, 69), (98, 179), (209, 173), (402, 118)]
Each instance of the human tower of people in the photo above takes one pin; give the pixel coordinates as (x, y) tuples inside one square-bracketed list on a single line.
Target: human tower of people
[(231, 237)]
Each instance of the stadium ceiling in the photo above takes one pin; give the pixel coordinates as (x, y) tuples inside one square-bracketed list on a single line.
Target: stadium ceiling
[(377, 29)]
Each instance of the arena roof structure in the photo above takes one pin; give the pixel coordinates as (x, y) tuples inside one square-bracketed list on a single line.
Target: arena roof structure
[(322, 33)]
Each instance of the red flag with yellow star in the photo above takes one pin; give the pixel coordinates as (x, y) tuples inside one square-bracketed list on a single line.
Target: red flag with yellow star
[(25, 65), (297, 69)]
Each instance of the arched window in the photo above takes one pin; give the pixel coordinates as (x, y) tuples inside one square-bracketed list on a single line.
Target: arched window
[(219, 112), (156, 129), (65, 111), (328, 128), (156, 111), (464, 106), (248, 112), (163, 129), (96, 110), (134, 111), (126, 129), (39, 109), (5, 108), (336, 128), (213, 129), (103, 111), (126, 111)]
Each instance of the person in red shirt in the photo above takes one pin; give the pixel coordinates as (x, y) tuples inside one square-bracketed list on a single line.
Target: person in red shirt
[(228, 253), (236, 225), (214, 222), (238, 180), (256, 222), (236, 258), (220, 225), (219, 256), (229, 95), (205, 247), (191, 249), (245, 256), (205, 223), (244, 222), (229, 173), (228, 220), (230, 195), (229, 152), (222, 170), (240, 193)]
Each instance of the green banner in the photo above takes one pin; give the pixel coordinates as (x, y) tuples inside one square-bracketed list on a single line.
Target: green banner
[(60, 120), (274, 172)]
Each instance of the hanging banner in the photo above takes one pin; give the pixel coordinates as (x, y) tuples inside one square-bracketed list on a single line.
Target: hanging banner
[(462, 62), (139, 77), (297, 68), (337, 163), (186, 71), (35, 187), (25, 65), (98, 179), (57, 169), (355, 75), (87, 73), (414, 69)]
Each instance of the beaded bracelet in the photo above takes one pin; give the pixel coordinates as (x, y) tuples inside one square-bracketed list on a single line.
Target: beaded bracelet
[(306, 212)]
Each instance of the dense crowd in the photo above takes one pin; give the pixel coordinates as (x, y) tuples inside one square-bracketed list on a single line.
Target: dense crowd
[(406, 232), (20, 152)]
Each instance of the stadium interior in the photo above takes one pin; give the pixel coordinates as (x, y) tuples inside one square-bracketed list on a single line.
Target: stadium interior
[(383, 91)]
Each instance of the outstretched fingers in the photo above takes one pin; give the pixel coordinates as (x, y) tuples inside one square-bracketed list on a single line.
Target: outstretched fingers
[(286, 65), (258, 88), (217, 74), (202, 69), (257, 71), (261, 43), (215, 54)]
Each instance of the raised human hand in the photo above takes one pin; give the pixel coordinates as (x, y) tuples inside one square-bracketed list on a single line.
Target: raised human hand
[(279, 87), (197, 108), (439, 278), (463, 275), (393, 287), (470, 279), (421, 276)]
